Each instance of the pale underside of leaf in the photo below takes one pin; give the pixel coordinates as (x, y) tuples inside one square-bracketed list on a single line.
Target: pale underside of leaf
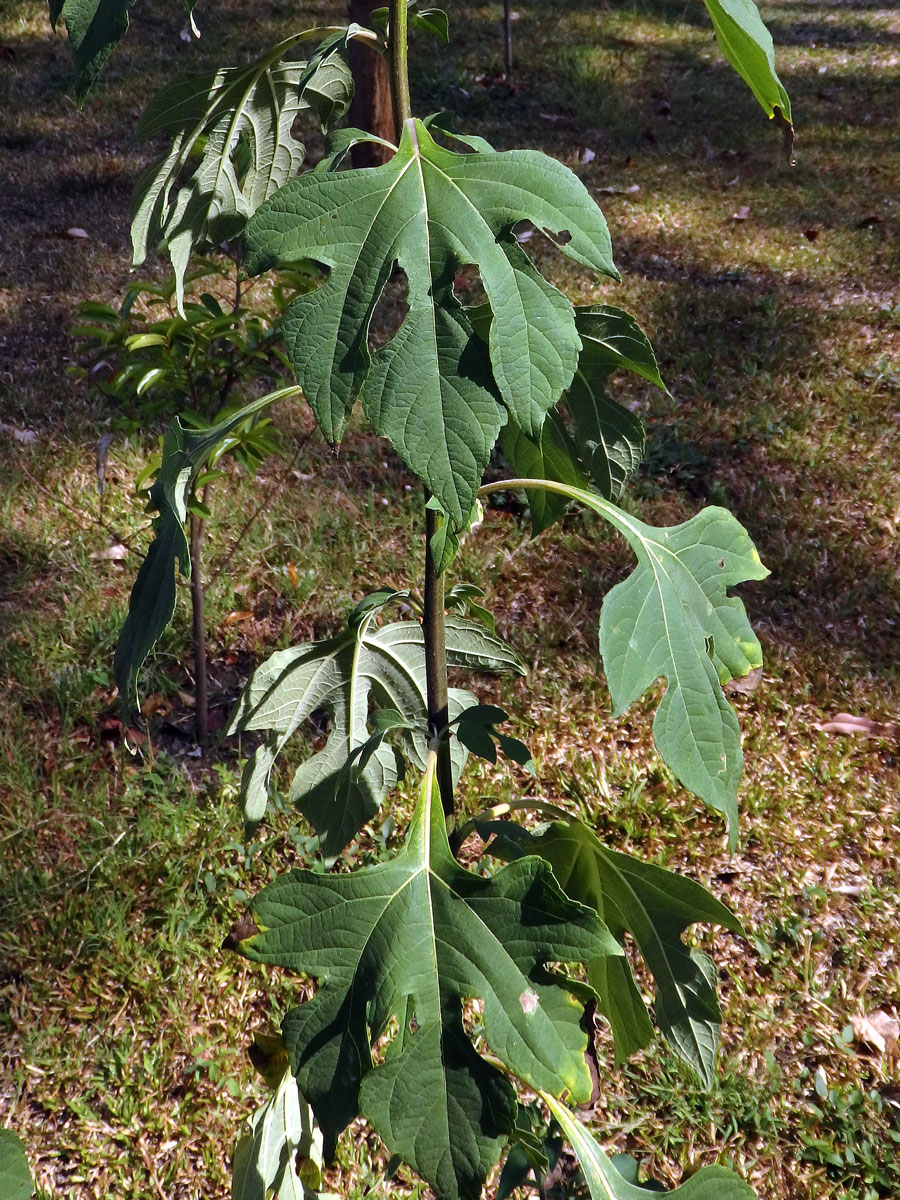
[(256, 104), (368, 667)]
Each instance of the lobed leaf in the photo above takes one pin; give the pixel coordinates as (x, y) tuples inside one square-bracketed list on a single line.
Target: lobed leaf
[(605, 1182), (673, 618), (366, 667), (410, 940), (237, 121), (655, 907), (433, 391)]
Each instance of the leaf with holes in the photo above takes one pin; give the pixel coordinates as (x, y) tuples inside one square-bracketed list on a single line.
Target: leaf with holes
[(409, 941), (237, 121), (655, 907), (366, 667), (433, 390)]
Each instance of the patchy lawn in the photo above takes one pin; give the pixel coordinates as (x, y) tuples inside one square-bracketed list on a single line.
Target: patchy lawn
[(771, 293)]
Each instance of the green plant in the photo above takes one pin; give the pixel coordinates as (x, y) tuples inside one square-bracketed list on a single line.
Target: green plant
[(175, 349), (15, 1176), (443, 992)]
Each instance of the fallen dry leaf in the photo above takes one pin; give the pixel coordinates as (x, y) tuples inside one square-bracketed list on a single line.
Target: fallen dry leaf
[(243, 615), (23, 436), (847, 723), (879, 1031), (747, 684), (114, 553)]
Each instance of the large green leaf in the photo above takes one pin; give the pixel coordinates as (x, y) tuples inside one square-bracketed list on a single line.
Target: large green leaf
[(280, 1157), (15, 1176), (655, 907), (233, 127), (364, 668), (410, 941), (606, 1183), (431, 390), (747, 44), (605, 443), (95, 28), (673, 618), (152, 602)]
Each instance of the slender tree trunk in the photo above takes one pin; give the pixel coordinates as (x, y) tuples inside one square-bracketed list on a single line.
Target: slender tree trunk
[(371, 109)]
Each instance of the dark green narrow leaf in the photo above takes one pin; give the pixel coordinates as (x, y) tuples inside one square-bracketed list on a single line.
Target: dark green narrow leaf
[(747, 44), (152, 602), (95, 28), (151, 605)]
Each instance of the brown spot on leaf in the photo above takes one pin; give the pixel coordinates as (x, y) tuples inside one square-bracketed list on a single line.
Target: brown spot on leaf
[(243, 928)]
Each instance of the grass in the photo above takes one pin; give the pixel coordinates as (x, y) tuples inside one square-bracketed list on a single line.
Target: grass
[(123, 1027)]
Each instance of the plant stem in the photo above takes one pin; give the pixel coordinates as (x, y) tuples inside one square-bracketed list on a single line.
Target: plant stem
[(201, 691), (433, 619), (397, 34), (436, 665), (507, 40)]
